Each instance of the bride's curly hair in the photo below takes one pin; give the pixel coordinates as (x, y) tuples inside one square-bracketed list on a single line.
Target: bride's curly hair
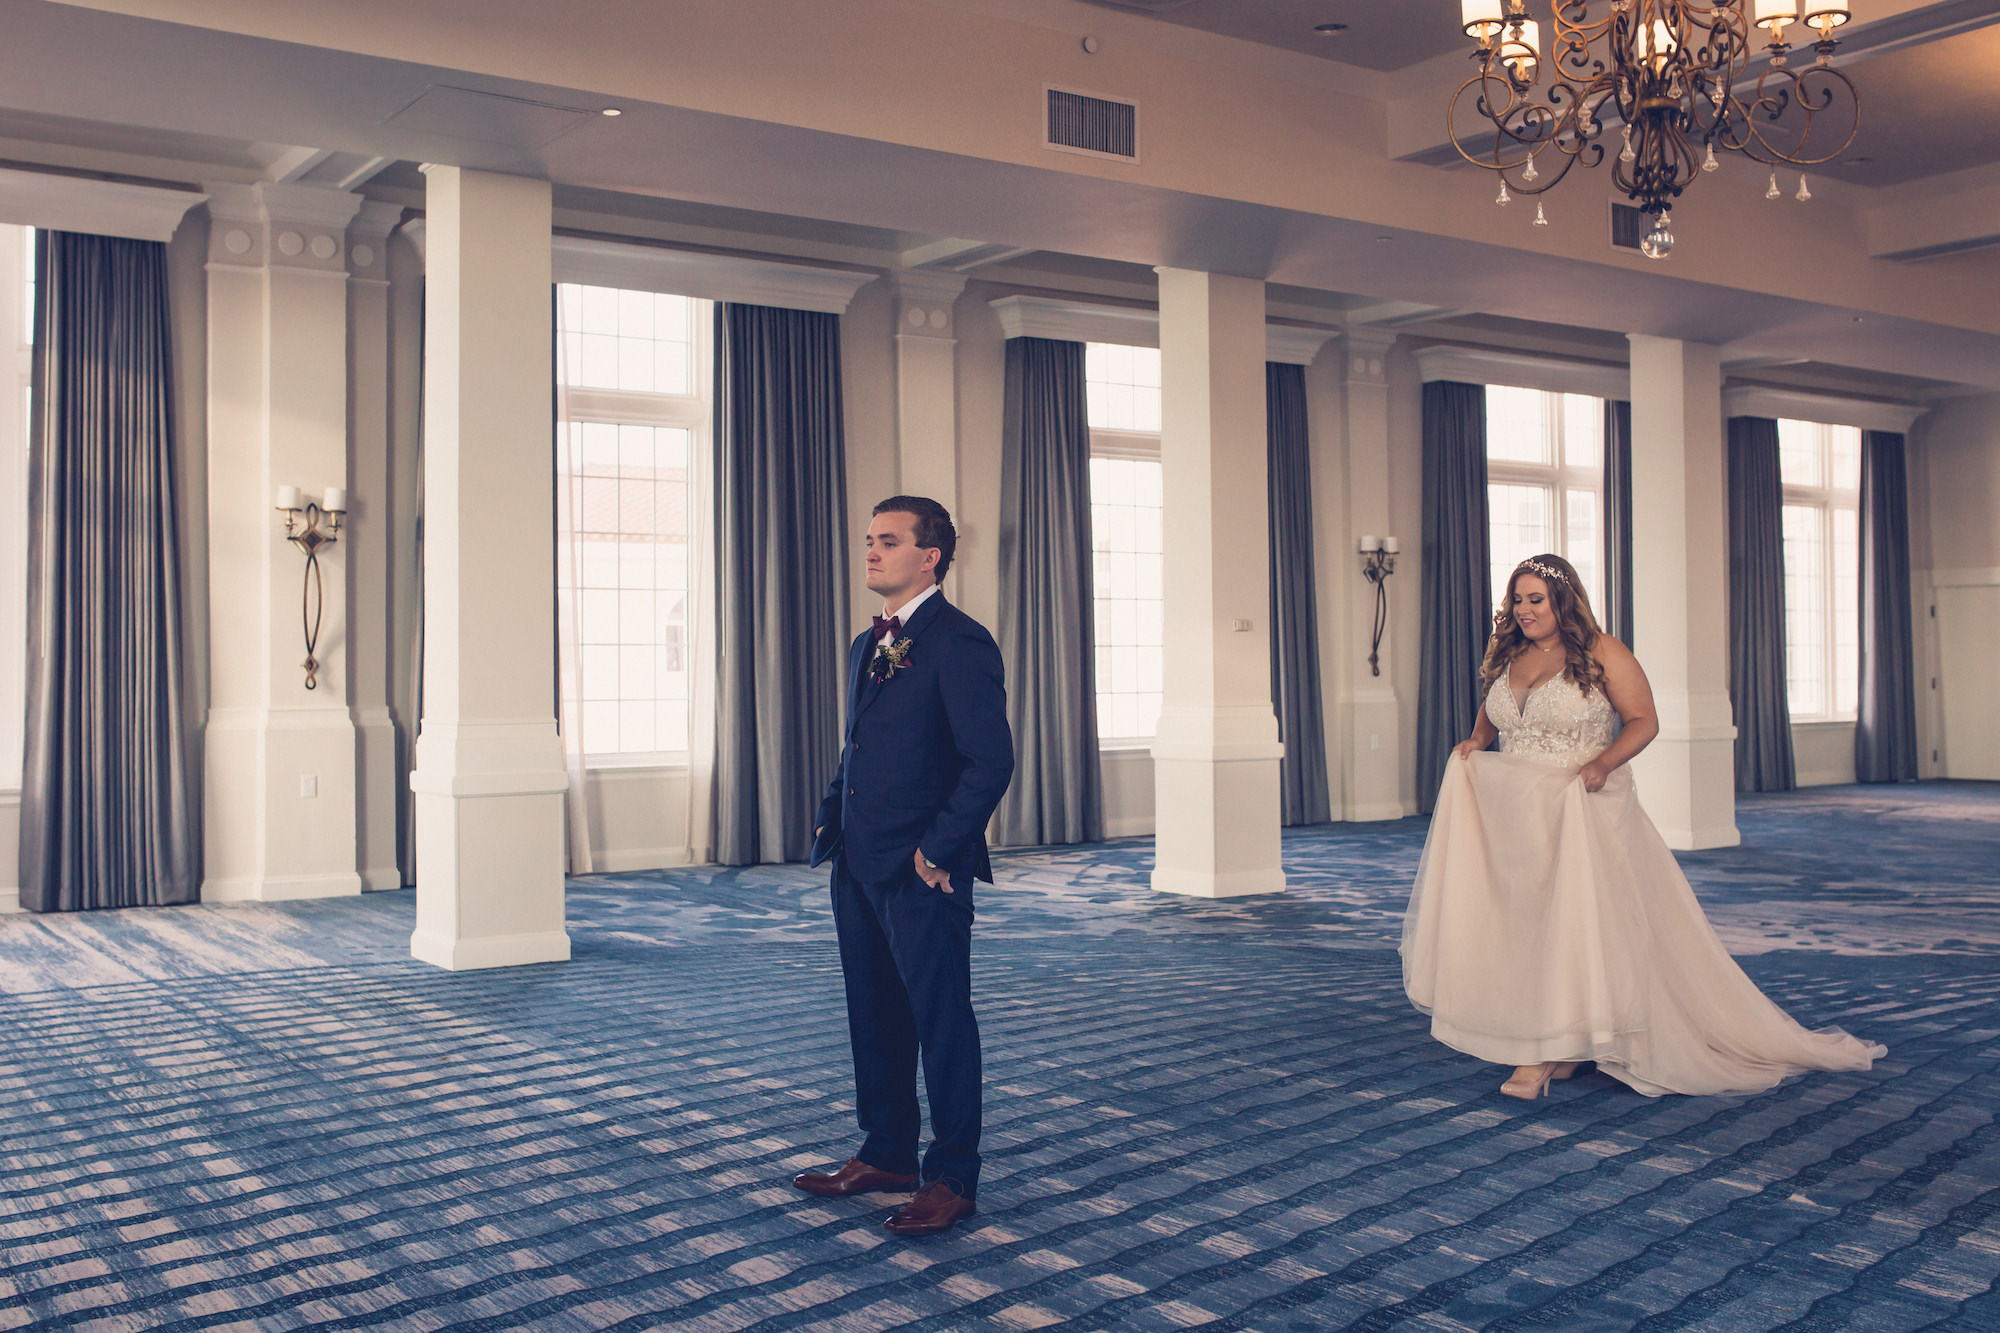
[(1574, 622)]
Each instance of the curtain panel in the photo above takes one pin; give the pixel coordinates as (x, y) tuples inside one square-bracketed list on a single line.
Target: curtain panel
[(1303, 792), (1885, 729), (1757, 687), (1047, 609), (780, 479), (1457, 611), (109, 812), (1615, 616)]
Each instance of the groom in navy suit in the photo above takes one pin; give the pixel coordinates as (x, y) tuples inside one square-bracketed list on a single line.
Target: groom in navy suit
[(926, 759)]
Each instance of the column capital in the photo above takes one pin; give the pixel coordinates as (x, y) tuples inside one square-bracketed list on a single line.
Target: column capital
[(924, 298), (368, 239), (279, 226)]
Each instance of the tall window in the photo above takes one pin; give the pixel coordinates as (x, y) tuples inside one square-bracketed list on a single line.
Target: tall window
[(1123, 384), (633, 368), (1545, 483), (1821, 467), (17, 311)]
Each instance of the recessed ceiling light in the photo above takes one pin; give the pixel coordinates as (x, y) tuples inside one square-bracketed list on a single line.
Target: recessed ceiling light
[(1857, 161), (1329, 29), (613, 111), (1385, 239)]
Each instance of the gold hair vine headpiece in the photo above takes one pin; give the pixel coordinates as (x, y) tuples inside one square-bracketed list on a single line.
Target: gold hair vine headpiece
[(1546, 571)]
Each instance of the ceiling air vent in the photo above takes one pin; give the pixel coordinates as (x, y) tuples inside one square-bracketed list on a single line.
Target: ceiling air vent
[(1628, 226), (1096, 126)]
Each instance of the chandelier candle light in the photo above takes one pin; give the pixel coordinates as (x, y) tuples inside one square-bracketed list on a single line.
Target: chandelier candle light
[(310, 539), (1672, 77)]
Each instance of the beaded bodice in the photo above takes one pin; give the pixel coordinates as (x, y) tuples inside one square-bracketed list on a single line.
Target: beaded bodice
[(1558, 723)]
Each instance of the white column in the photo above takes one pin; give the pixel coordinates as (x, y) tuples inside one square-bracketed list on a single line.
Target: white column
[(490, 772), (279, 801), (1371, 716), (926, 385), (367, 539), (1215, 756), (1680, 545)]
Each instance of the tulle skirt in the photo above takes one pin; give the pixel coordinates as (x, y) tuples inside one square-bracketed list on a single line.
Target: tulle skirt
[(1550, 923)]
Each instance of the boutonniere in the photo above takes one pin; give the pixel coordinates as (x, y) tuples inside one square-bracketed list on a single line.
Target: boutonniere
[(889, 659)]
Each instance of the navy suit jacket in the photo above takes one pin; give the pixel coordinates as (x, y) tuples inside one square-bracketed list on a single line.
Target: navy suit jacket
[(927, 754)]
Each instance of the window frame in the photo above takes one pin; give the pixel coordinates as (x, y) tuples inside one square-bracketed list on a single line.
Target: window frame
[(1829, 499), (1138, 446), (1559, 478), (16, 388), (693, 412)]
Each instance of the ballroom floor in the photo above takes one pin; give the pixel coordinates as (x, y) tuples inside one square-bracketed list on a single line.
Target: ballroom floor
[(1200, 1115)]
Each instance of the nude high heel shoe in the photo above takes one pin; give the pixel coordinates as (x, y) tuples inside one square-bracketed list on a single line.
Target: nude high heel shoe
[(1532, 1081)]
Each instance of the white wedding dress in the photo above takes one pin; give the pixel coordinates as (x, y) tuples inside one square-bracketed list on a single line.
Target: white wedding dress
[(1551, 923)]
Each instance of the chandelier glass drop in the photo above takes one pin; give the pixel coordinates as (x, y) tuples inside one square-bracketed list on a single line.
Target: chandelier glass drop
[(1670, 78)]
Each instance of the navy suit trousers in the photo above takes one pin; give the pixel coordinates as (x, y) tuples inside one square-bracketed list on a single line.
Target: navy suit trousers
[(906, 955)]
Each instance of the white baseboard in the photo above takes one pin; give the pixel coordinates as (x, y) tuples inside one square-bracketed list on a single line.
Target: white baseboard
[(465, 955), (383, 877), (1130, 826), (274, 889), (1364, 814), (625, 859), (1218, 884), (10, 901)]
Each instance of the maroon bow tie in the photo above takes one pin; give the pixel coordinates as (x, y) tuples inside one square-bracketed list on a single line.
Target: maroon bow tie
[(892, 626)]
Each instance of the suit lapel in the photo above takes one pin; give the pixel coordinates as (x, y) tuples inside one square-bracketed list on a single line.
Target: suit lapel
[(869, 688)]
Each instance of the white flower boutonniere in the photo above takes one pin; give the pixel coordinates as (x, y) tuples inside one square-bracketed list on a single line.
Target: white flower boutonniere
[(889, 659)]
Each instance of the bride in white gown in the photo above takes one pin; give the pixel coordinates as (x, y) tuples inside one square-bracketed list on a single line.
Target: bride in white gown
[(1549, 924)]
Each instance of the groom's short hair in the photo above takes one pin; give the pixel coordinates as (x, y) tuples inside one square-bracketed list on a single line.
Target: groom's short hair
[(933, 528)]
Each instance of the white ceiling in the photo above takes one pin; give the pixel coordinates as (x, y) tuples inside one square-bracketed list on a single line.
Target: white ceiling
[(113, 92)]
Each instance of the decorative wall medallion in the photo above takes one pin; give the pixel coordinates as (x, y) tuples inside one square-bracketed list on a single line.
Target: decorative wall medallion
[(916, 317), (363, 256), (324, 247), (291, 243), (236, 242), (937, 319)]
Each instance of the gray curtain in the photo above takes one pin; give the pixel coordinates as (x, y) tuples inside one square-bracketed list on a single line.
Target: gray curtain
[(781, 576), (109, 815), (1295, 690), (1047, 623), (1457, 596), (1885, 731), (1757, 608), (1616, 613)]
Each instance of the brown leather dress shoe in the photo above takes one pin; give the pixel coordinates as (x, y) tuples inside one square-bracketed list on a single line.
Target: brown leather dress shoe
[(936, 1208), (857, 1177)]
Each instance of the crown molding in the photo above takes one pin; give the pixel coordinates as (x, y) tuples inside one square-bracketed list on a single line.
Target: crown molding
[(1522, 370), (1759, 400), (744, 279), (97, 207), (1132, 326)]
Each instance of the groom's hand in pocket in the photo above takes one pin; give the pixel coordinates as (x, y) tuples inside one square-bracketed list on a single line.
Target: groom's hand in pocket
[(932, 875)]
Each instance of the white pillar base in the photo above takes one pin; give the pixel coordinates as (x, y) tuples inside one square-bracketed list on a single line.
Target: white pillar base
[(375, 798), (1687, 776), (264, 840), (1371, 728), (1215, 786), (489, 812)]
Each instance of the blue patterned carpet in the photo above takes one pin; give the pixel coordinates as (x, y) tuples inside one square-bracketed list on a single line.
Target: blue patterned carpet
[(1201, 1115)]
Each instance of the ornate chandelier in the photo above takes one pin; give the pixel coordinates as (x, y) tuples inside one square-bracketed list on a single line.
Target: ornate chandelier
[(1669, 75)]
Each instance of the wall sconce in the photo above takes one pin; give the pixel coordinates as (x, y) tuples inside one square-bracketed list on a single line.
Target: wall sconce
[(309, 540), (1378, 562)]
